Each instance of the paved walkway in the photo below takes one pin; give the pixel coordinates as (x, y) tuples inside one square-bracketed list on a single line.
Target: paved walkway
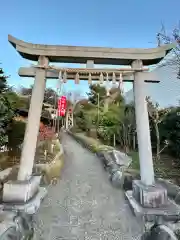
[(84, 205)]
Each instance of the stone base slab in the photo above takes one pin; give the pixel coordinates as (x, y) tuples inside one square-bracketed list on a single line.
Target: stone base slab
[(20, 191), (149, 196), (170, 212), (29, 207)]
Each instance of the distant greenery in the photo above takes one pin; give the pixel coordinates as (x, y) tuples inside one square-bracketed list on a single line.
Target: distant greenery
[(118, 121), (50, 95), (10, 130), (117, 125), (16, 135), (6, 110)]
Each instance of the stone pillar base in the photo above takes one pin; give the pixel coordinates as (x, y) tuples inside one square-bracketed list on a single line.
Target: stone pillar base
[(20, 191), (30, 207), (21, 200), (151, 203), (149, 196), (23, 196)]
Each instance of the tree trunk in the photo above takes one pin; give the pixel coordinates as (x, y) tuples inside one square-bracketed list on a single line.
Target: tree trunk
[(114, 140), (106, 105), (129, 138), (157, 141), (134, 141), (126, 140)]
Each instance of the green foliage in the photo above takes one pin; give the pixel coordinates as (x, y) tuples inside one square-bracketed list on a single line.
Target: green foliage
[(50, 96), (6, 115), (96, 91), (3, 82), (116, 97), (135, 160), (6, 110), (109, 124), (15, 101), (119, 121), (16, 134), (9, 102), (170, 131), (46, 114)]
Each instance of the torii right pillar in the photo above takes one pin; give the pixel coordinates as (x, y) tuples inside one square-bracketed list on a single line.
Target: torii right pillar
[(146, 193), (142, 126)]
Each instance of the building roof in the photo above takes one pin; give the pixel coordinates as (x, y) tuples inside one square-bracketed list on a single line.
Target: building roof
[(24, 113)]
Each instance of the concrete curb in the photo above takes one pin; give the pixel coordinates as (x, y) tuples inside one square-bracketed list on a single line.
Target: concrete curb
[(83, 143)]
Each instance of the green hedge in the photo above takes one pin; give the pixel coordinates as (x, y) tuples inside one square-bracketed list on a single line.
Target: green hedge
[(16, 135)]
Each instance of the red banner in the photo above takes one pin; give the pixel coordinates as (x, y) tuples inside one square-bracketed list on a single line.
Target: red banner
[(62, 106)]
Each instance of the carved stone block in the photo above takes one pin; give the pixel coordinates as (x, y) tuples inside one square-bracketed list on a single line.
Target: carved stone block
[(149, 196), (21, 191)]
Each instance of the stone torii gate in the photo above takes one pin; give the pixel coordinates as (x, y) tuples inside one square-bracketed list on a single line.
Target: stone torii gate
[(145, 192)]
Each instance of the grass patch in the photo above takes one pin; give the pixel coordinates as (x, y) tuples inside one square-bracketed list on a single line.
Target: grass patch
[(54, 169), (135, 160), (52, 166), (8, 159), (167, 167)]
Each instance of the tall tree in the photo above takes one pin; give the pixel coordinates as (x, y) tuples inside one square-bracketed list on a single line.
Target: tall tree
[(113, 97), (6, 111), (3, 82), (16, 101), (26, 91), (156, 116), (96, 91), (174, 37), (51, 96)]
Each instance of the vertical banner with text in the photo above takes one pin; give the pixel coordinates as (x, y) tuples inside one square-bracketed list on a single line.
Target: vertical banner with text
[(62, 102)]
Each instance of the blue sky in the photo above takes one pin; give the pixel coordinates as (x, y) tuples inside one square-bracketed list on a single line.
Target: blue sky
[(114, 23)]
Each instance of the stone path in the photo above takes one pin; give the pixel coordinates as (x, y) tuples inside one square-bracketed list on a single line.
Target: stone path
[(84, 205)]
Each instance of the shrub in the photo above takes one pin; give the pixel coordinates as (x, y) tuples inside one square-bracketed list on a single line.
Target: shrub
[(46, 133), (16, 135), (170, 130), (6, 115)]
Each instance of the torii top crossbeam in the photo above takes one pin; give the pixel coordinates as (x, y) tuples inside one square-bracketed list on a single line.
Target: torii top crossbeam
[(100, 55)]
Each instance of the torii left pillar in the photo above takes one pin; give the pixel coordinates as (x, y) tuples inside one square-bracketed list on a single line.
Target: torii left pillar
[(32, 127), (27, 186)]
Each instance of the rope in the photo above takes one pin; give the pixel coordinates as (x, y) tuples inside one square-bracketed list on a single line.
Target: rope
[(93, 70)]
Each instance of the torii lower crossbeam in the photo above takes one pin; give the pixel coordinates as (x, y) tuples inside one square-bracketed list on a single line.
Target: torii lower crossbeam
[(127, 74)]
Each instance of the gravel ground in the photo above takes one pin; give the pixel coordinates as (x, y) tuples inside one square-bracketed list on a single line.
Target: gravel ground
[(83, 204)]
